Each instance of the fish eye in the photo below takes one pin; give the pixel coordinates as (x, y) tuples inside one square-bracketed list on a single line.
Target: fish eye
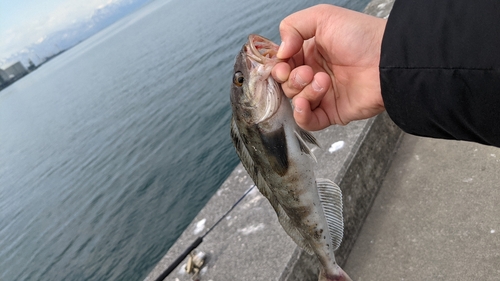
[(238, 79)]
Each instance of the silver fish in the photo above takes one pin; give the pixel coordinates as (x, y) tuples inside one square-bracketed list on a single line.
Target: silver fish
[(274, 151)]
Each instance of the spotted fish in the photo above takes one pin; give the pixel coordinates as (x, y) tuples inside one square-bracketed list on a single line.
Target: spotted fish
[(275, 152)]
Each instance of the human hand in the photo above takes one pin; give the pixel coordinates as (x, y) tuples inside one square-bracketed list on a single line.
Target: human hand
[(332, 73)]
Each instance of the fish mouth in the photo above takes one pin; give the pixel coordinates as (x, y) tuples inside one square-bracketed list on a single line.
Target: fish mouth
[(261, 49), (260, 54)]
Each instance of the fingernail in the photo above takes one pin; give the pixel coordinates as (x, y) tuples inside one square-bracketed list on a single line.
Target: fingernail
[(299, 80), (316, 87), (280, 50), (281, 78)]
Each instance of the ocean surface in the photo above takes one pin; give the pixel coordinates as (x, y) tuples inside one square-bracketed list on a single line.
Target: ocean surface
[(108, 151)]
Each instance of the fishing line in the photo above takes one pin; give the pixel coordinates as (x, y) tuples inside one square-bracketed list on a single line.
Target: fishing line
[(198, 240)]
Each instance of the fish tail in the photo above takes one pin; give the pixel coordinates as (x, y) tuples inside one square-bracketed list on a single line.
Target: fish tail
[(338, 275)]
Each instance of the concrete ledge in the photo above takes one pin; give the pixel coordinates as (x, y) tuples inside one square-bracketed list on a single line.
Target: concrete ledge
[(250, 243), (364, 173), (379, 8)]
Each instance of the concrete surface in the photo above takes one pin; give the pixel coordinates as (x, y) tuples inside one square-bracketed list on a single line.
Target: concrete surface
[(436, 217), (250, 243), (379, 8)]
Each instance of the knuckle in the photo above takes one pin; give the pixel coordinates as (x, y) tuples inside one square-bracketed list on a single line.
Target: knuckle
[(284, 25)]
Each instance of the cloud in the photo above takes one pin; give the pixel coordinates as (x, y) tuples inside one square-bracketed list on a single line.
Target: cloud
[(35, 30)]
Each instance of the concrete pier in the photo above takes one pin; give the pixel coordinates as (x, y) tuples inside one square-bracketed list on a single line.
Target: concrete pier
[(436, 217), (250, 243)]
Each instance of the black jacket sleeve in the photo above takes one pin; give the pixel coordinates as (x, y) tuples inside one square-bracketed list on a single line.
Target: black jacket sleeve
[(440, 69)]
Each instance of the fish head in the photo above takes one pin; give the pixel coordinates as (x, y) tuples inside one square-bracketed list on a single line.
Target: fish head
[(255, 96)]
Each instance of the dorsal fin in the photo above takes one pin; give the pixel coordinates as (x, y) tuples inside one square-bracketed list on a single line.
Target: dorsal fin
[(290, 228), (242, 151), (331, 199)]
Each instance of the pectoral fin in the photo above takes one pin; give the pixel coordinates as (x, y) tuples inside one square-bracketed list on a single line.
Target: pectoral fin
[(275, 147), (301, 134), (307, 136)]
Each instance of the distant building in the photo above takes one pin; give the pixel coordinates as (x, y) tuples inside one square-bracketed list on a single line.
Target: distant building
[(16, 71), (11, 74), (31, 66), (4, 77)]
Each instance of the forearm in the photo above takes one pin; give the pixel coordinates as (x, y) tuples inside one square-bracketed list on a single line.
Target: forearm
[(440, 69)]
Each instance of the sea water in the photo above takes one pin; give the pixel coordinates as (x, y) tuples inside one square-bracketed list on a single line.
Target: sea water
[(108, 151)]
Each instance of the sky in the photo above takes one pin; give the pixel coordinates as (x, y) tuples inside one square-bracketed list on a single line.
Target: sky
[(24, 22)]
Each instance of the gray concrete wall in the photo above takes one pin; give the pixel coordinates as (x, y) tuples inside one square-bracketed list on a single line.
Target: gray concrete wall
[(436, 217), (250, 243)]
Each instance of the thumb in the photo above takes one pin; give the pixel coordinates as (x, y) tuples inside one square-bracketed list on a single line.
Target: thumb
[(296, 28)]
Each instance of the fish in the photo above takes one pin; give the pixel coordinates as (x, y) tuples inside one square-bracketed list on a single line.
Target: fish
[(275, 152)]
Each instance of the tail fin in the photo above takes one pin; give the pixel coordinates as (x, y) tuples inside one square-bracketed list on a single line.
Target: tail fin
[(339, 275)]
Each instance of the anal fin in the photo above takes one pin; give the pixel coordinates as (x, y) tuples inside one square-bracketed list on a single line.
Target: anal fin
[(331, 199)]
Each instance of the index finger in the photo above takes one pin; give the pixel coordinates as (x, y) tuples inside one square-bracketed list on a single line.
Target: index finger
[(296, 28)]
